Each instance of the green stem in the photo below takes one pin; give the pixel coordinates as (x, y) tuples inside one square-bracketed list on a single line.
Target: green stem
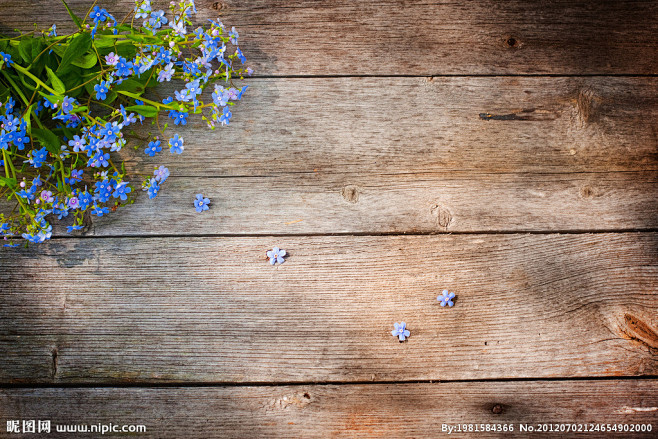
[(34, 78)]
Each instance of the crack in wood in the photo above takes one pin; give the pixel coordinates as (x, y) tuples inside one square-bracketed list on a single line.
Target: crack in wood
[(55, 359)]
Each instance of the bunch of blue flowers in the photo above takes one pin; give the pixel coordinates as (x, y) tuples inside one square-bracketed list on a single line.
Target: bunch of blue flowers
[(66, 102)]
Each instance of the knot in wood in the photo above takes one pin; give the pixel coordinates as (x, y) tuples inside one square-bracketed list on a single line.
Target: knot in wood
[(442, 214), (586, 192), (350, 193), (497, 409)]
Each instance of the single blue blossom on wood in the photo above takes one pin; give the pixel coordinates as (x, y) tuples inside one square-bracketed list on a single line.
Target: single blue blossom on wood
[(176, 144), (400, 331), (446, 298), (152, 148), (70, 229), (201, 203), (276, 255), (121, 191)]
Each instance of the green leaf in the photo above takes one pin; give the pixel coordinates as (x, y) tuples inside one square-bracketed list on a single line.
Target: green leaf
[(48, 139), (25, 49), (102, 41), (78, 45), (10, 182), (75, 18), (144, 110), (57, 83), (86, 61)]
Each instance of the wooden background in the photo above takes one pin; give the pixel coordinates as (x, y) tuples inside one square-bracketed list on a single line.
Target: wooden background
[(504, 150)]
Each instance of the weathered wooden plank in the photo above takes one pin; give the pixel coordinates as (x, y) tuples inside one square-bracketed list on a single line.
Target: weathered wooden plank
[(337, 148), (213, 310), (403, 203), (390, 37), (413, 125), (375, 410)]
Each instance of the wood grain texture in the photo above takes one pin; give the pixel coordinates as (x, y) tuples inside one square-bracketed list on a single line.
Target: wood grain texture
[(213, 310), (392, 410), (416, 125), (391, 37), (404, 203)]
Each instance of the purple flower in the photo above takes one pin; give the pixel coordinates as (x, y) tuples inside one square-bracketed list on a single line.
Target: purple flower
[(276, 255), (47, 196), (161, 174), (74, 203), (201, 203), (176, 144), (111, 59), (400, 331), (446, 298), (166, 73)]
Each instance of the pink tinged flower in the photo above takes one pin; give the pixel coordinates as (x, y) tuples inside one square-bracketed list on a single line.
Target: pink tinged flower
[(47, 196), (111, 59), (74, 203)]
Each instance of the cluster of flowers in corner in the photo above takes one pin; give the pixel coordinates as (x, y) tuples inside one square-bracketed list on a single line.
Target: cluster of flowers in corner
[(65, 110)]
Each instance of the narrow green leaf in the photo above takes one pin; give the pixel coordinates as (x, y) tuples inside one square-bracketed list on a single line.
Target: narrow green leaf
[(48, 139), (78, 109), (28, 118), (75, 18), (144, 110), (57, 83), (77, 46)]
